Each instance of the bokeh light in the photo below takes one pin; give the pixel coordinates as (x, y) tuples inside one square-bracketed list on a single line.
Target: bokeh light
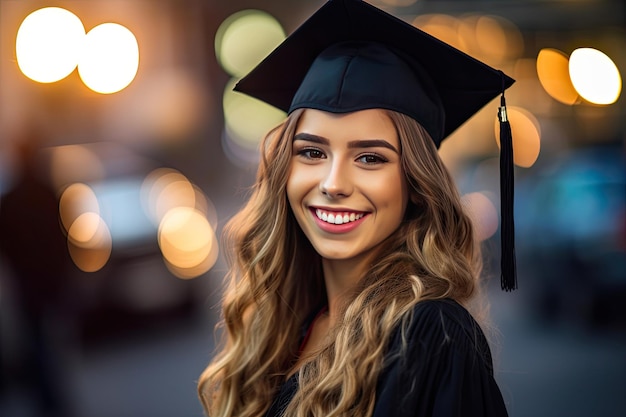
[(75, 200), (186, 220), (196, 271), (490, 38), (244, 39), (595, 76), (441, 26), (526, 133), (84, 229), (177, 192), (398, 3), (553, 73), (498, 39), (110, 59), (88, 236), (247, 119), (164, 189), (89, 242), (483, 214), (48, 44), (186, 240), (203, 204)]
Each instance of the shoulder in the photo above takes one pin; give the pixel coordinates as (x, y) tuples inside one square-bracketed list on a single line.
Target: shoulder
[(446, 308), (440, 328), (442, 315), (438, 363)]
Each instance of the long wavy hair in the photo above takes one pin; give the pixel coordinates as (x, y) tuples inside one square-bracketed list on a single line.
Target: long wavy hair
[(275, 282)]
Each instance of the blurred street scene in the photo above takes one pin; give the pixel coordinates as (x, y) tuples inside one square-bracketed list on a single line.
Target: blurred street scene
[(119, 167)]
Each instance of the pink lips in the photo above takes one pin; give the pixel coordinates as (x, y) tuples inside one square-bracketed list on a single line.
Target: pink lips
[(336, 228)]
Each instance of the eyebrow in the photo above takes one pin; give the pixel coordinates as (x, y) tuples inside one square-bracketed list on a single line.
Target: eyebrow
[(365, 143)]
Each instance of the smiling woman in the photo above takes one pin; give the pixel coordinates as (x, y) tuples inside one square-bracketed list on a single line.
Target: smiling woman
[(354, 266)]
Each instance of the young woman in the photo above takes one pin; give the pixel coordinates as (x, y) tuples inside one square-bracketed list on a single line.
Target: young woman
[(353, 264)]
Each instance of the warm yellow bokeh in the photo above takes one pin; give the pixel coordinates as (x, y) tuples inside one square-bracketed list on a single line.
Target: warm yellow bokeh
[(441, 26), (89, 242), (526, 133), (498, 39), (49, 43), (110, 59), (186, 239), (196, 271), (164, 189), (398, 3), (595, 76), (84, 229), (490, 38), (177, 193), (553, 74), (75, 200)]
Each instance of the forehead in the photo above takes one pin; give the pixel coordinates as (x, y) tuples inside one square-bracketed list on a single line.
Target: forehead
[(363, 124)]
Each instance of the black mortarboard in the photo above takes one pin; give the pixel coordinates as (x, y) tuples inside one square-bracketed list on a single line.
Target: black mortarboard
[(351, 56)]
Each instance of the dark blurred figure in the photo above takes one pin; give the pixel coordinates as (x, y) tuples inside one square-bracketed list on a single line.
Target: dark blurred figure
[(33, 245)]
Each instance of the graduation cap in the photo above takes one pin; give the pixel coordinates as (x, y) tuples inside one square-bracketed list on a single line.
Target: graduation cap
[(350, 56)]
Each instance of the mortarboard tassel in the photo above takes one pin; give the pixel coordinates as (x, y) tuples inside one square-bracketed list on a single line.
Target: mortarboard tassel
[(508, 278)]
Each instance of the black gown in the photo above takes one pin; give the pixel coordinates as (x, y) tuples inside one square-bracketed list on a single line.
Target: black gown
[(446, 370)]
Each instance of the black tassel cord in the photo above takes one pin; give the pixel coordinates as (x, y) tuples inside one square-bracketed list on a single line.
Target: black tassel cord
[(508, 278)]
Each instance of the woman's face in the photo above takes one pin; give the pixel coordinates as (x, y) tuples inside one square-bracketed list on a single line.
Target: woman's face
[(346, 186)]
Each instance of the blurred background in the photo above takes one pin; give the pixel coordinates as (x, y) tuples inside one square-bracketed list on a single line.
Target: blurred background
[(123, 152)]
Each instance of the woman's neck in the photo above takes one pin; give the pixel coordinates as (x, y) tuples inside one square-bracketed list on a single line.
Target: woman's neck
[(341, 278)]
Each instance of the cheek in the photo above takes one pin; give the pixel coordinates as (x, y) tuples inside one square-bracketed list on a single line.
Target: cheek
[(395, 196), (296, 186), (404, 192)]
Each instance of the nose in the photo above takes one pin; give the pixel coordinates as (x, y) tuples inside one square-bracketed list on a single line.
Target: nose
[(336, 182)]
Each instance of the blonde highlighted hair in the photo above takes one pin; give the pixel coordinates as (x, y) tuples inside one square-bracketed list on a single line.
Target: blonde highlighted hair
[(275, 281)]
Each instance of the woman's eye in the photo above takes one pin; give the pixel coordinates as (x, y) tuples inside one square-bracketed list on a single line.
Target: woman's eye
[(371, 159), (311, 153)]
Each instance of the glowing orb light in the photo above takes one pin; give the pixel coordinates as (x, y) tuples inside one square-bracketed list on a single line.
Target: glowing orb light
[(110, 59), (595, 76), (48, 44)]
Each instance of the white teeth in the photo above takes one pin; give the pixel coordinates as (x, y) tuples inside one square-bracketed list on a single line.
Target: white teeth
[(337, 218)]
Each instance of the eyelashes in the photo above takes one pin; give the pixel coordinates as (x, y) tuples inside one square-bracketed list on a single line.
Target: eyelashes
[(369, 158), (372, 158), (311, 153)]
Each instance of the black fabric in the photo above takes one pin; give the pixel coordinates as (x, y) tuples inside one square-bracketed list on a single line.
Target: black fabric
[(358, 75), (283, 398), (445, 371)]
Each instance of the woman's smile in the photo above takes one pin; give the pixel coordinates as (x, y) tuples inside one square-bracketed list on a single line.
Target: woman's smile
[(337, 217), (337, 221)]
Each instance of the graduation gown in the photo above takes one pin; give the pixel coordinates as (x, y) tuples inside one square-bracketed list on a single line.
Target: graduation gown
[(445, 371)]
